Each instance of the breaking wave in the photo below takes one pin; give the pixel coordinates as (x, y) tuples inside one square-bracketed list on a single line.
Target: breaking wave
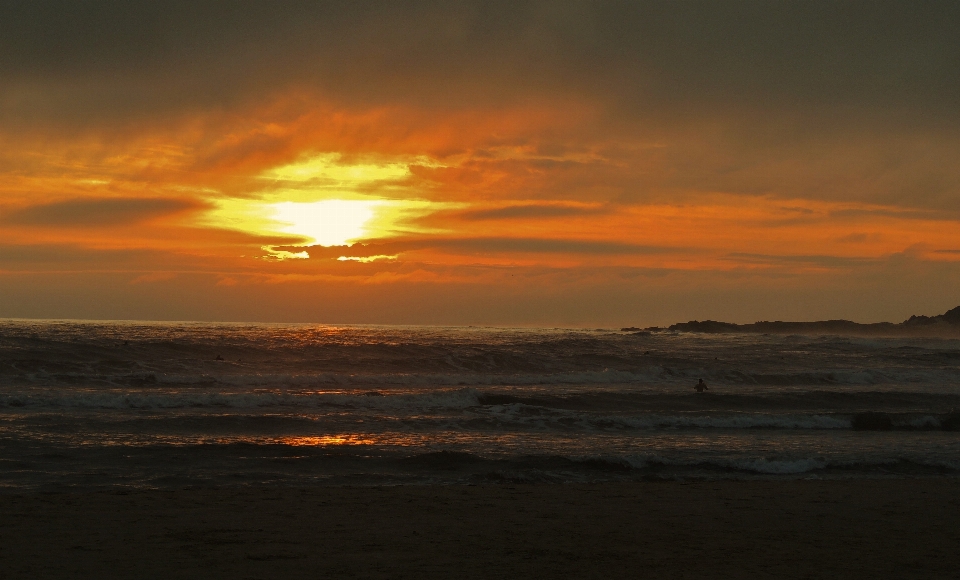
[(191, 403)]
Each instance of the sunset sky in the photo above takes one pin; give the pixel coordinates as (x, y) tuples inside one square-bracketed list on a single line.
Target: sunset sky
[(495, 163)]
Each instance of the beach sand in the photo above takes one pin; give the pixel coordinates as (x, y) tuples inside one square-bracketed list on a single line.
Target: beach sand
[(898, 528)]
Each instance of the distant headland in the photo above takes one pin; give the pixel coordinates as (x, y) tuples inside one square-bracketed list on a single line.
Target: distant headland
[(944, 325)]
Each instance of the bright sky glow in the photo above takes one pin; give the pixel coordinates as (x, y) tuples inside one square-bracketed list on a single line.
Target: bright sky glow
[(327, 202), (332, 222), (327, 166), (303, 205)]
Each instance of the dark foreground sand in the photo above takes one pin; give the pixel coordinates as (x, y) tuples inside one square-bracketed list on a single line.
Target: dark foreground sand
[(801, 529)]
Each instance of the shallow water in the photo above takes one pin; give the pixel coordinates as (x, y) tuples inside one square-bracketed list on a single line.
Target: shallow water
[(150, 404)]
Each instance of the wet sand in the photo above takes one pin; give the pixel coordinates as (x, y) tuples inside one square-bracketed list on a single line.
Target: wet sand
[(789, 529)]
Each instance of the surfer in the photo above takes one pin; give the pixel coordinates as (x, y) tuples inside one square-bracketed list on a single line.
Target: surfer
[(701, 386)]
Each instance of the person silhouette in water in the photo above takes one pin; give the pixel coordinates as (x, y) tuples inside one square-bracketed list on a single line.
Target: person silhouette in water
[(701, 386)]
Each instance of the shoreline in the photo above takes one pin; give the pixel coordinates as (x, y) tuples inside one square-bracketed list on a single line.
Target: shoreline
[(721, 529)]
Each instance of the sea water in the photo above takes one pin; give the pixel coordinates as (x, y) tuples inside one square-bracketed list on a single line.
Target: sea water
[(94, 404)]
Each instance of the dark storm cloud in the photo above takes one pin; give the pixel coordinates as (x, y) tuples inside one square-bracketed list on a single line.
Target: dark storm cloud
[(550, 246), (794, 260), (529, 211), (97, 212), (912, 214), (122, 57), (26, 256)]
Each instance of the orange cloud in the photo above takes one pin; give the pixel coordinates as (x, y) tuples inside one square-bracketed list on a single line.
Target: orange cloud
[(516, 197)]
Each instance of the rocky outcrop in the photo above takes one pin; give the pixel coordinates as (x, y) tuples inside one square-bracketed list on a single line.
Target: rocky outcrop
[(949, 317), (946, 324)]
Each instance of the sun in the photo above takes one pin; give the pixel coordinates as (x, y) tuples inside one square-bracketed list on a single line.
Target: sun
[(331, 222), (323, 201)]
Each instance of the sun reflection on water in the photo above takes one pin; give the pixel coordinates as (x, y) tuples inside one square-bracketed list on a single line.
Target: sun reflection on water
[(327, 440)]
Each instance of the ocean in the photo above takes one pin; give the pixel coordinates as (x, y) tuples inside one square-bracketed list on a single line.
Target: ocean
[(173, 405)]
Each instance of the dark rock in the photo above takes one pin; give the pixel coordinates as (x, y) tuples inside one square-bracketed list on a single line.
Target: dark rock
[(919, 321), (951, 316), (872, 422), (710, 326), (139, 381), (444, 459), (951, 422)]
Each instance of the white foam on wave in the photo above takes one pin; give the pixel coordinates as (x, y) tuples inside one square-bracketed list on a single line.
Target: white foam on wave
[(778, 466), (740, 421), (924, 422), (525, 414), (647, 375), (760, 465), (156, 399), (605, 376), (513, 415), (323, 379), (652, 375)]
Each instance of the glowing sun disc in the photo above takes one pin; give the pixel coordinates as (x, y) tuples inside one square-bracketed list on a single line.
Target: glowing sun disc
[(332, 222)]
